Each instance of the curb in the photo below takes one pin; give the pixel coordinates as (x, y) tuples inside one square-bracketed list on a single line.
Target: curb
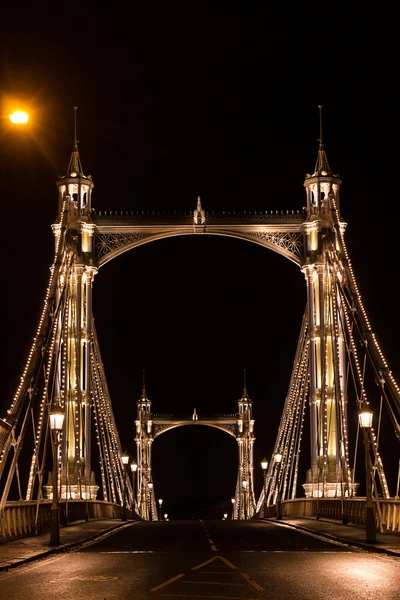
[(346, 541), (63, 547)]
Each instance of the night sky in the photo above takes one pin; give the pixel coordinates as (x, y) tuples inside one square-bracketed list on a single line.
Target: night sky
[(179, 102)]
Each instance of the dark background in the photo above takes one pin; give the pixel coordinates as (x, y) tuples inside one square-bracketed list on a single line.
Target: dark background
[(180, 101)]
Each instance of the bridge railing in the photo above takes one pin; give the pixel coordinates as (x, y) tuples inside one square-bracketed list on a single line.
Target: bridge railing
[(351, 511), (22, 519)]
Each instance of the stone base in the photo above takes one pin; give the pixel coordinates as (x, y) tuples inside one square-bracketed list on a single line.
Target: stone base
[(329, 490), (75, 492)]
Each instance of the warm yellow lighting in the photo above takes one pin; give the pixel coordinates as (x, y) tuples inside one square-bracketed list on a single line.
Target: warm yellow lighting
[(277, 457), (160, 501), (233, 500), (56, 417), (133, 467), (264, 464), (244, 485), (150, 485), (19, 117), (365, 419), (125, 458)]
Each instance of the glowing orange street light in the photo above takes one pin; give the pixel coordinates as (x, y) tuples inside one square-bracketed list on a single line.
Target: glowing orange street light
[(19, 117)]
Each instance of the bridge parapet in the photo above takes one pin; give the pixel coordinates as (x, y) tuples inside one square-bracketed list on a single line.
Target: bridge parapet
[(26, 518), (351, 511)]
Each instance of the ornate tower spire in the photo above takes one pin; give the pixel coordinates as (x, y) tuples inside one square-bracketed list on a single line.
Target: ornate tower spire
[(144, 395), (75, 166), (75, 184), (322, 185), (321, 166), (245, 395)]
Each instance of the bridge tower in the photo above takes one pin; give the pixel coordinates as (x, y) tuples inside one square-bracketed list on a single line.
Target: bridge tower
[(329, 474), (72, 384), (144, 439), (244, 497)]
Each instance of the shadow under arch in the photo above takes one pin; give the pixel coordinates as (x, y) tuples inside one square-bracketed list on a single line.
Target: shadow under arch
[(194, 472)]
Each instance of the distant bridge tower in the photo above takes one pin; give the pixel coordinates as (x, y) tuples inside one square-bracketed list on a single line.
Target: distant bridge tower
[(240, 425), (144, 439), (244, 496)]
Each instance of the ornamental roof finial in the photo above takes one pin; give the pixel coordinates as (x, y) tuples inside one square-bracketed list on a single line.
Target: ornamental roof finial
[(322, 166), (75, 166)]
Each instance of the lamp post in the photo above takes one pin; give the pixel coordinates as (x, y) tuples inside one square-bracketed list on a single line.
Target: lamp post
[(244, 486), (225, 516), (264, 466), (365, 421), (278, 462), (166, 516), (160, 501), (233, 507), (133, 470), (150, 488), (56, 425), (124, 461)]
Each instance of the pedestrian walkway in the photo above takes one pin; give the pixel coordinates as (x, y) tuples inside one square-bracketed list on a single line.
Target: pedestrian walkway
[(388, 543), (17, 552)]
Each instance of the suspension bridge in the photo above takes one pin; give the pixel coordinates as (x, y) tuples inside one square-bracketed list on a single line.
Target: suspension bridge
[(339, 369)]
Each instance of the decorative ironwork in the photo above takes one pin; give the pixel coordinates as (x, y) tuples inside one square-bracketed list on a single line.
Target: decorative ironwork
[(108, 242), (292, 242)]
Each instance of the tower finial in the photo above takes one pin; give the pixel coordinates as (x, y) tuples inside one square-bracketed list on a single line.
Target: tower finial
[(322, 165), (75, 140), (321, 144), (75, 165), (244, 384)]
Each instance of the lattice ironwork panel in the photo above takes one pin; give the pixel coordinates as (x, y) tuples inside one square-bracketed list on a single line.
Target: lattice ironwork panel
[(292, 242), (109, 242)]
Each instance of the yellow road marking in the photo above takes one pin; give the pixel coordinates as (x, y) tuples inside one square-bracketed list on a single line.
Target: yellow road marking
[(213, 548), (158, 587), (207, 562), (211, 583), (216, 573), (208, 597), (210, 540), (252, 582)]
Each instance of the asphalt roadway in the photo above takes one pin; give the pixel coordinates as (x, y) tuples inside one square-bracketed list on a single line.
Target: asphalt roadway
[(207, 559)]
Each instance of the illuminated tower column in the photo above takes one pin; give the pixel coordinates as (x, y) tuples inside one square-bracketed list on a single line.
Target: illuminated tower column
[(244, 497), (144, 440), (329, 474)]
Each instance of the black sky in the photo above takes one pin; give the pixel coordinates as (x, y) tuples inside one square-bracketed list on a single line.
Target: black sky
[(172, 104)]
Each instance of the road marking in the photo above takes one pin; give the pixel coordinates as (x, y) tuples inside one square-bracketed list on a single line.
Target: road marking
[(212, 583), (245, 576), (216, 573), (158, 587), (252, 582), (208, 597), (207, 562), (213, 548)]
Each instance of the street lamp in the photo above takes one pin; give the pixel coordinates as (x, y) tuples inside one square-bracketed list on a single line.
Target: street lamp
[(19, 117), (124, 461), (264, 466), (160, 501), (365, 421), (233, 507), (278, 462), (56, 424), (225, 516), (166, 516), (244, 486), (133, 470), (150, 488)]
